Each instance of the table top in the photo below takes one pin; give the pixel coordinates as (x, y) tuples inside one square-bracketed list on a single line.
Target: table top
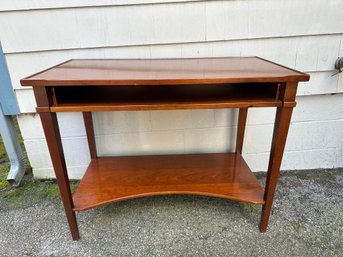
[(104, 72)]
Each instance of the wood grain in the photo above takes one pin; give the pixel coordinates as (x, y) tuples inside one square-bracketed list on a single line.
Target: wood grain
[(164, 72), (242, 121), (281, 126), (95, 85), (111, 179), (53, 139), (88, 121)]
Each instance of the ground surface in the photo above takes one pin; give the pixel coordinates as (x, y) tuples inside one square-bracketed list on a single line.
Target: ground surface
[(307, 221)]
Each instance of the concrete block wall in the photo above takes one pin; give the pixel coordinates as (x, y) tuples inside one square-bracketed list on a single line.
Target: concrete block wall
[(39, 34)]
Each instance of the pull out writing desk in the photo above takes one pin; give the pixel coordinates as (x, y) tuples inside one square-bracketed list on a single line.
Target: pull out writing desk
[(165, 84)]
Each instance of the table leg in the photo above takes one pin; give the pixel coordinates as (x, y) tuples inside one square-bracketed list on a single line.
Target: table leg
[(282, 121), (53, 138), (88, 121), (242, 119)]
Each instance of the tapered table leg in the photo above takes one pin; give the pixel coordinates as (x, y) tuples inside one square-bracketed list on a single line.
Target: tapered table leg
[(53, 138), (282, 121), (88, 121), (242, 120)]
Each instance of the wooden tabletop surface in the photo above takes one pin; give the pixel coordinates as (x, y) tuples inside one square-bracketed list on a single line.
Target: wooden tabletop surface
[(163, 71)]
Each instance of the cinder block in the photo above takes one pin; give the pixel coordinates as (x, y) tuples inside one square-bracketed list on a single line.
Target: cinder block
[(258, 138), (43, 173), (226, 117), (309, 159), (339, 155), (37, 151), (257, 162), (26, 100), (301, 136), (74, 172), (258, 116), (75, 150), (220, 139), (71, 124), (182, 119), (314, 135), (229, 117), (140, 143), (106, 123), (30, 126)]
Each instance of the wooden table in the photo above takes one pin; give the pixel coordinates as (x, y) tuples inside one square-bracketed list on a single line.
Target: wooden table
[(165, 84)]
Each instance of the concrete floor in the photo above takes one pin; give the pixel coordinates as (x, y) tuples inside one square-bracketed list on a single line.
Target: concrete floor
[(307, 220)]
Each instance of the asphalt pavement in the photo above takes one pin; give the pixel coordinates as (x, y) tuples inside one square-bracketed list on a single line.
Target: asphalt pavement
[(307, 220)]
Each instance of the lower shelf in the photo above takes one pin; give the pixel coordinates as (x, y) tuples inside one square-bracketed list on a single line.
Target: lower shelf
[(111, 179)]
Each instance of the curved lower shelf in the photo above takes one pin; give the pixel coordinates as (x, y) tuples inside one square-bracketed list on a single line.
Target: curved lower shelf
[(112, 179)]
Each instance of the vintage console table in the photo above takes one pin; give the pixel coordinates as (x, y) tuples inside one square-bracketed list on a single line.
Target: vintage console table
[(165, 84)]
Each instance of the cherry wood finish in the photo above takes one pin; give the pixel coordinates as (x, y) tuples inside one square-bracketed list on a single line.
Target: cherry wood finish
[(88, 121), (164, 72), (111, 179), (53, 139), (242, 119), (164, 84), (281, 126)]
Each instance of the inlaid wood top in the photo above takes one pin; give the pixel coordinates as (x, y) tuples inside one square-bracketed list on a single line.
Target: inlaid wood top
[(163, 72)]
